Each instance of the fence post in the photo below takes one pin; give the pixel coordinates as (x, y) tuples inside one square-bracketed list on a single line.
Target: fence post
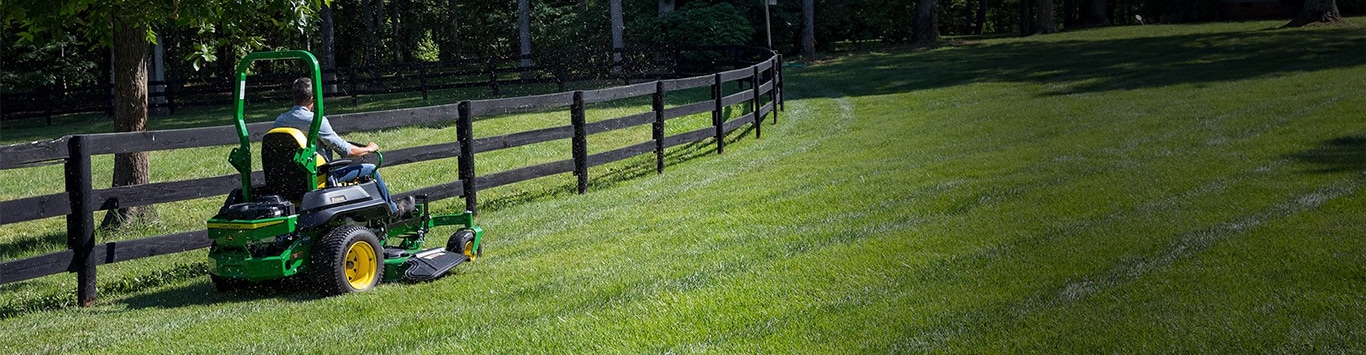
[(657, 103), (493, 77), (716, 118), (354, 93), (778, 85), (773, 86), (80, 224), (464, 132), (758, 120), (580, 144), (422, 77)]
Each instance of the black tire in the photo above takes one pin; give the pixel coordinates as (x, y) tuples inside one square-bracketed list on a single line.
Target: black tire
[(461, 240), (341, 265)]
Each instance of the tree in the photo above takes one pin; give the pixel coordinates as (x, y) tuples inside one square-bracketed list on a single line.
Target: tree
[(617, 27), (665, 7), (524, 33), (926, 24), (127, 26), (1043, 20), (1093, 14), (1317, 11), (809, 29)]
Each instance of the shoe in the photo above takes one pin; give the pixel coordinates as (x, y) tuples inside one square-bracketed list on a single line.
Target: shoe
[(406, 206)]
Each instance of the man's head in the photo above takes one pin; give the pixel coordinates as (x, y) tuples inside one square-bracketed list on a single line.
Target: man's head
[(303, 92)]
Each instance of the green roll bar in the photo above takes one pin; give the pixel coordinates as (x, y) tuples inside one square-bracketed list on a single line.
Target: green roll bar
[(240, 157)]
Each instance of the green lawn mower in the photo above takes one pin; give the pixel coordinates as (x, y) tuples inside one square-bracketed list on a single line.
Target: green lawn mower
[(338, 235)]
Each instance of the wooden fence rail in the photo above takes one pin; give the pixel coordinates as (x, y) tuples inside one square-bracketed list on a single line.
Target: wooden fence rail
[(79, 201), (492, 73)]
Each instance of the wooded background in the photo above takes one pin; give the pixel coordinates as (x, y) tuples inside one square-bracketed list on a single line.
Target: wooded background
[(387, 32)]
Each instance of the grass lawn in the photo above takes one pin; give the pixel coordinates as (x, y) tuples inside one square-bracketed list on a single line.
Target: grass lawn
[(1156, 189)]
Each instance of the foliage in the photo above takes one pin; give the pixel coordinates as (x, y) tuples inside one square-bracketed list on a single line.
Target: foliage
[(63, 61), (693, 24)]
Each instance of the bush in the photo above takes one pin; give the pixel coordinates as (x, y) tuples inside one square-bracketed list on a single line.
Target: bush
[(695, 24)]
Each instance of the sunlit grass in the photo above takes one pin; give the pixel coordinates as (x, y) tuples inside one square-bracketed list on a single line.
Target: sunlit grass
[(1130, 198)]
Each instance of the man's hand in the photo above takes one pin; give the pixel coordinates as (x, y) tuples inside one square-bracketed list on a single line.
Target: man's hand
[(357, 152)]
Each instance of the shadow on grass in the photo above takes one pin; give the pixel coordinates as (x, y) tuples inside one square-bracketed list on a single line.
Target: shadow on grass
[(1082, 66), (23, 245), (203, 293), (1337, 155)]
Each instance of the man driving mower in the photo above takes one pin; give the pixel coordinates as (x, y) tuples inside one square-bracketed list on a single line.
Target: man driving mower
[(301, 116)]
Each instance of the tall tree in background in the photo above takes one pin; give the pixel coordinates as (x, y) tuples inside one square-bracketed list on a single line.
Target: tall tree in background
[(328, 59), (981, 22), (1043, 19), (524, 35), (926, 31), (618, 25), (809, 29), (1093, 14), (450, 49), (1317, 11), (665, 7)]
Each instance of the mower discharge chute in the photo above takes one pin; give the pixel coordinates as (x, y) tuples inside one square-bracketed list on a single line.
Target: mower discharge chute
[(338, 234)]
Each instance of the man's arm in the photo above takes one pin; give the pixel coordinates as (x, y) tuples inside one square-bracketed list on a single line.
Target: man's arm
[(334, 142)]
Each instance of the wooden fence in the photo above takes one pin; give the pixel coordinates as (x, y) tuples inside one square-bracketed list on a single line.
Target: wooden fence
[(492, 73), (79, 202)]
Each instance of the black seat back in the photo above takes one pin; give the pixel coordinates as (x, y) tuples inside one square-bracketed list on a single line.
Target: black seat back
[(284, 177)]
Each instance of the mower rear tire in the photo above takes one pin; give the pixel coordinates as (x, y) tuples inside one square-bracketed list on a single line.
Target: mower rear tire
[(348, 259)]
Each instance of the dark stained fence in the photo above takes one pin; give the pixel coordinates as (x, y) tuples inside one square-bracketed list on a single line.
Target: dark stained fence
[(491, 73), (79, 201)]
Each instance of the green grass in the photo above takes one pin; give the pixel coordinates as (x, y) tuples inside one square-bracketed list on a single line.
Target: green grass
[(1152, 189)]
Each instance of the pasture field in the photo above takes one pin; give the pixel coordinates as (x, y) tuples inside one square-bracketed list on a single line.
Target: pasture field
[(1146, 189)]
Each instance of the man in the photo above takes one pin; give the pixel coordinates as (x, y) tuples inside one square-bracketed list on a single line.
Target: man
[(301, 117)]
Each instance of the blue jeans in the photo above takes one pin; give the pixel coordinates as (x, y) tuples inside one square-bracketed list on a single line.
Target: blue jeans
[(352, 172)]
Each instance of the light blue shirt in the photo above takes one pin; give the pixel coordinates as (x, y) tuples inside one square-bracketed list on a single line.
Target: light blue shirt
[(300, 118)]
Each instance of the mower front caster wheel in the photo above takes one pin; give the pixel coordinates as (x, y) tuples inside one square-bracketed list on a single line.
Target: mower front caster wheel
[(462, 242)]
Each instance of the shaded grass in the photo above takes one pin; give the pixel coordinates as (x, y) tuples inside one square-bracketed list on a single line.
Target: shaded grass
[(939, 212)]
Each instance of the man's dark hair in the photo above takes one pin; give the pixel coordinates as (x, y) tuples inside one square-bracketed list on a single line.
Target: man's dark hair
[(303, 91)]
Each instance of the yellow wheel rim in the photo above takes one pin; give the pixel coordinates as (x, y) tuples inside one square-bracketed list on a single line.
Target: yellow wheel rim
[(469, 250), (360, 265)]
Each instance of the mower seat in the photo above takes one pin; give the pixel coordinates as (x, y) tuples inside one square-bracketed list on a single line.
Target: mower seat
[(283, 176)]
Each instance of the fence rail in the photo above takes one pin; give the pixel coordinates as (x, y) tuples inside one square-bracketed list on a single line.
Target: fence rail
[(79, 201), (492, 73)]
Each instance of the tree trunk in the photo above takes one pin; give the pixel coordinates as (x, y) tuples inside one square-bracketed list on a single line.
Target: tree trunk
[(618, 25), (1317, 11), (665, 7), (1093, 14), (981, 17), (524, 32), (369, 32), (451, 49), (328, 60), (1044, 20), (1069, 17), (809, 29), (130, 115), (926, 30), (1026, 18)]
